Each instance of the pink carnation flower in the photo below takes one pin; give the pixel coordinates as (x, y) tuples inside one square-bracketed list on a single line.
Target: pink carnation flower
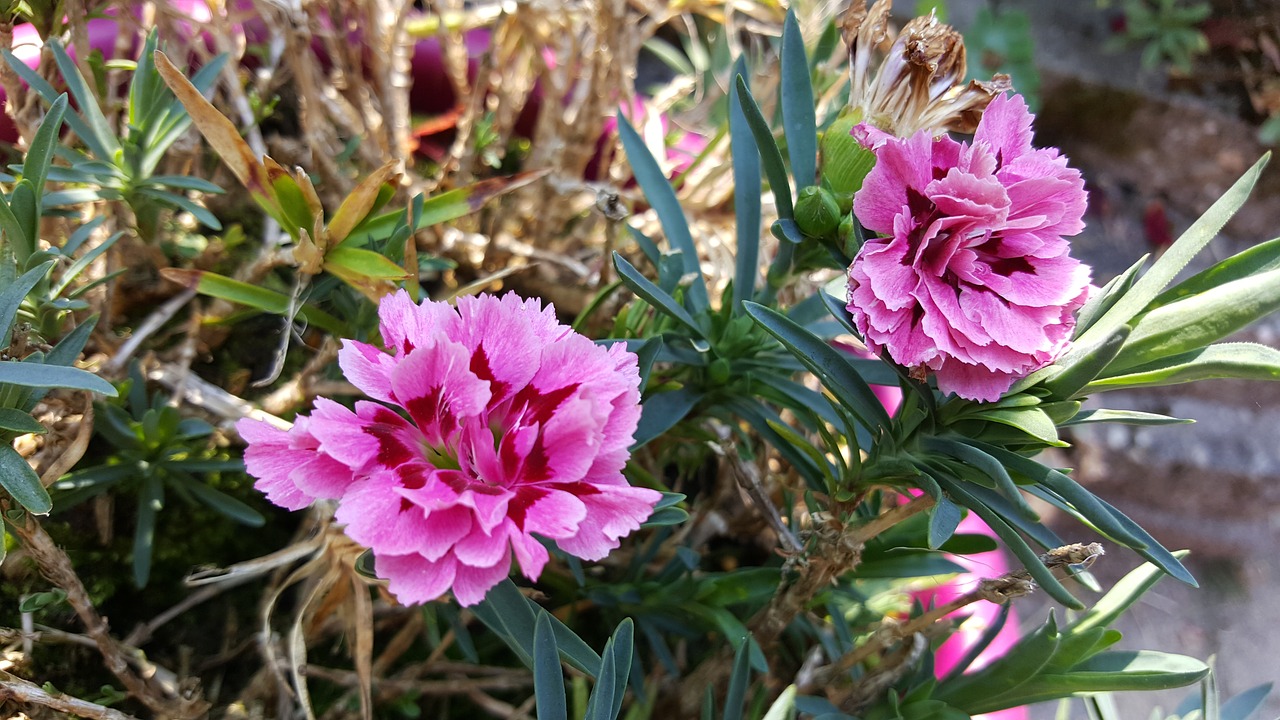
[(973, 280), (496, 423)]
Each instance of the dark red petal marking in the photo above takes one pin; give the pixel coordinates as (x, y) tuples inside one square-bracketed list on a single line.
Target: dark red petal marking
[(481, 368), (520, 504), (387, 428)]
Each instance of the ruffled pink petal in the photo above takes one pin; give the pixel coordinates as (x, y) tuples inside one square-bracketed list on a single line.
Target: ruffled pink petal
[(435, 384), (270, 458), (368, 368), (471, 584), (415, 579), (612, 512)]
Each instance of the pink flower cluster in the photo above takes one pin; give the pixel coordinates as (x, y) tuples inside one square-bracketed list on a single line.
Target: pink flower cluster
[(972, 279), (496, 423)]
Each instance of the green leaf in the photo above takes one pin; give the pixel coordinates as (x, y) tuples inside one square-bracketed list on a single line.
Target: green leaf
[(46, 91), (1142, 670), (362, 262), (548, 677), (1088, 366), (225, 504), (1154, 551), (69, 275), (661, 411), (21, 482), (150, 501), (662, 197), (183, 182), (739, 680), (36, 165), (826, 362), (1248, 361), (1125, 417), (989, 466), (795, 92), (22, 245), (442, 208), (38, 375), (12, 296), (944, 518), (223, 287), (1196, 321), (767, 146), (25, 208), (1256, 260), (513, 617), (1245, 704), (1016, 667), (20, 422), (1031, 420), (784, 708), (1148, 287), (35, 602), (184, 203), (746, 195), (654, 295), (102, 139), (1028, 557), (1088, 504)]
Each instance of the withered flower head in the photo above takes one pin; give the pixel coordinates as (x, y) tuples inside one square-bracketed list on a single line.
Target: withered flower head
[(919, 83)]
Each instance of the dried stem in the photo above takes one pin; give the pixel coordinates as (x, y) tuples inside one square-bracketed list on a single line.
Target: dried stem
[(56, 567), (748, 478), (19, 690)]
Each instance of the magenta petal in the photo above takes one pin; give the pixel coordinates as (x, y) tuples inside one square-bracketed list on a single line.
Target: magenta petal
[(368, 368), (270, 458), (471, 584), (436, 386), (612, 512), (415, 579)]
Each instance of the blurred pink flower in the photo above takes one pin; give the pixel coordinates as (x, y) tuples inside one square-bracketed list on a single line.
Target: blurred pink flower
[(981, 615), (495, 424), (973, 280)]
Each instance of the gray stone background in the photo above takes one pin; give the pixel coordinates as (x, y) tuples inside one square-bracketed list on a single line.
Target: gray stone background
[(1212, 487)]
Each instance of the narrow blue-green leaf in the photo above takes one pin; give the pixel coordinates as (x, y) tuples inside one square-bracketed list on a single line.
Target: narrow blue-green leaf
[(1245, 704), (184, 182), (22, 201), (601, 698), (944, 518), (662, 197), (837, 308), (150, 501), (548, 677), (1247, 361), (1012, 540), (1149, 286), (770, 155), (20, 422), (1124, 417), (36, 165), (826, 362), (21, 482), (646, 353), (182, 202), (22, 245), (735, 699), (623, 645), (661, 411), (1086, 367), (1197, 320), (746, 195), (12, 296), (1089, 505), (1154, 551), (70, 274), (1256, 260), (81, 235), (989, 466), (795, 89), (69, 347), (1014, 668), (37, 375), (46, 91), (102, 138), (654, 295), (225, 504)]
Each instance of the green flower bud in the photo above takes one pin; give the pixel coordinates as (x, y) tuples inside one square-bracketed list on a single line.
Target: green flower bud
[(844, 161), (817, 211), (718, 371)]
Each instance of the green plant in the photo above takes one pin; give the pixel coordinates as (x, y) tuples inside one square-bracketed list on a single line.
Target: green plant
[(1169, 30), (123, 166), (155, 450)]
